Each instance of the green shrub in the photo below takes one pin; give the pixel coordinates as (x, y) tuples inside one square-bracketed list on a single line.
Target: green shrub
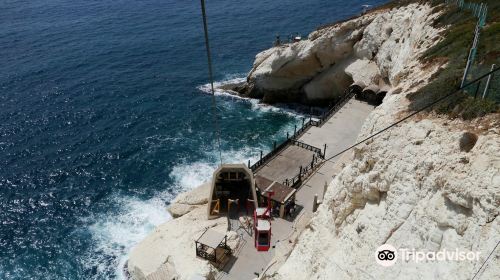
[(454, 49)]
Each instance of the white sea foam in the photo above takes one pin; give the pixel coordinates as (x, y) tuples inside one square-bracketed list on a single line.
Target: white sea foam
[(230, 79), (115, 234), (190, 175), (255, 103)]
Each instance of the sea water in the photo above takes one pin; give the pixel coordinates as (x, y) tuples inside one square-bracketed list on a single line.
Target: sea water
[(104, 118)]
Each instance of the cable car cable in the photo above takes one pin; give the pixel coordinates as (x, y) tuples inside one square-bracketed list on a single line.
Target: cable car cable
[(411, 115), (210, 75)]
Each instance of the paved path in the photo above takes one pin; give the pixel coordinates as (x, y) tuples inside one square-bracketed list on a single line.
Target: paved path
[(339, 132), (248, 262)]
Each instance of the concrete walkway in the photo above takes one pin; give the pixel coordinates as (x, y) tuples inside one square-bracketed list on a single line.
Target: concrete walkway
[(341, 130), (338, 133), (248, 262)]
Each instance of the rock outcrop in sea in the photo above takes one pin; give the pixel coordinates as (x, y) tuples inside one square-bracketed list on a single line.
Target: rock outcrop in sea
[(429, 184), (374, 49)]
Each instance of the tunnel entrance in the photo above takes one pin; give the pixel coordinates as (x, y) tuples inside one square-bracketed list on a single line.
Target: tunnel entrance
[(233, 191)]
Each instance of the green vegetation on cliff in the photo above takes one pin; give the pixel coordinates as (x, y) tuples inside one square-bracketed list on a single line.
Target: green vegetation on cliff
[(454, 50)]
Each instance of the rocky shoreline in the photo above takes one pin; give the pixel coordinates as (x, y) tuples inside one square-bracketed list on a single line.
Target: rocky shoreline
[(412, 187), (372, 50)]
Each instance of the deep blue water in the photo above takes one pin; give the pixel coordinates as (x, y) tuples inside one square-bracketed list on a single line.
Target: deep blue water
[(102, 120)]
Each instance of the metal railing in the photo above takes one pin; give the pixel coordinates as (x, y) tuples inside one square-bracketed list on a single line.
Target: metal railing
[(307, 147), (480, 11), (299, 132), (264, 159), (304, 173), (334, 109), (488, 87)]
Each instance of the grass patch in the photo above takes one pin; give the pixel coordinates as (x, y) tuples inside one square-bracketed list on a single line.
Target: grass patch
[(454, 49)]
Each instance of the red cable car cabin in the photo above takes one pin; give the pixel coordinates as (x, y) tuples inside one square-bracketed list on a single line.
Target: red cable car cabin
[(262, 226), (263, 235)]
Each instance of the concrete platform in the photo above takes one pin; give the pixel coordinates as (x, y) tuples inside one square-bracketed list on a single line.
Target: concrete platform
[(315, 184), (341, 130), (247, 262), (286, 165)]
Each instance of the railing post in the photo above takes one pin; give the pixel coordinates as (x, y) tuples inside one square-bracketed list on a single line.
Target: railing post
[(248, 163), (295, 130), (477, 89), (488, 82), (324, 151), (315, 203), (467, 66), (303, 120)]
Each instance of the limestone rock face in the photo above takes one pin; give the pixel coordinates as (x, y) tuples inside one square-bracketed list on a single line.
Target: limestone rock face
[(187, 201), (169, 251), (417, 186), (374, 48), (364, 71), (410, 188), (326, 84), (163, 254)]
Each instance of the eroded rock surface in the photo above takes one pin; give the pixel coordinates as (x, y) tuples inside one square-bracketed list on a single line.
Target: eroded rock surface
[(169, 251), (374, 48), (410, 188), (420, 186)]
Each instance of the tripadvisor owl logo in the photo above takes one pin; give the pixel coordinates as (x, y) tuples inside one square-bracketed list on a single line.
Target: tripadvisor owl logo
[(386, 255)]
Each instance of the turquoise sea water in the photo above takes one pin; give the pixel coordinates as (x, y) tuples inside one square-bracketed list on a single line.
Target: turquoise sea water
[(103, 118)]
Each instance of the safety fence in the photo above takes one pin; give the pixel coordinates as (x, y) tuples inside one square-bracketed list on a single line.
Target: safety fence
[(308, 147), (479, 10), (489, 88), (304, 172), (335, 108), (299, 132)]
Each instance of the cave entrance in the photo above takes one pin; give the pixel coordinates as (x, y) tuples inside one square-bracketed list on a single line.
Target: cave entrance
[(372, 94)]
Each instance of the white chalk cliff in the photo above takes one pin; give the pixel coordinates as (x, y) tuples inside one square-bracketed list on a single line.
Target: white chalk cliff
[(425, 184), (412, 187), (418, 186), (372, 49)]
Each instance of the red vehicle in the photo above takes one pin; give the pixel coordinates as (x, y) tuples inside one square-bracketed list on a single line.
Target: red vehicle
[(262, 226)]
